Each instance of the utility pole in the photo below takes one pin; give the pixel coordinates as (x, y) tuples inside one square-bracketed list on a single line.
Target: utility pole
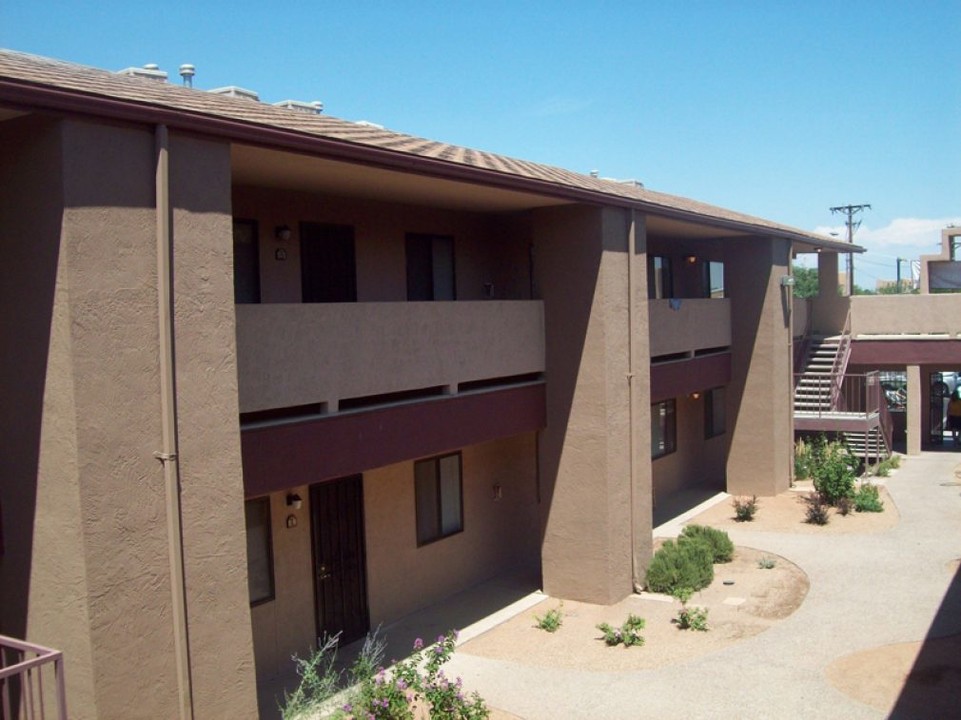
[(897, 286), (851, 211)]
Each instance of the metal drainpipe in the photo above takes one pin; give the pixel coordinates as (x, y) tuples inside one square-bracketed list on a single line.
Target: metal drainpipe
[(631, 376), (168, 418)]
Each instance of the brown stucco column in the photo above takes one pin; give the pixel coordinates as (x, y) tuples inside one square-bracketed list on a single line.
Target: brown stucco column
[(581, 271), (761, 431), (914, 404), (212, 503)]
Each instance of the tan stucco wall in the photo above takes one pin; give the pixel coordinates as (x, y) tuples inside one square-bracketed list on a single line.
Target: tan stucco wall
[(286, 625), (498, 535), (43, 590), (698, 462), (581, 266), (294, 354), (486, 248), (698, 323), (829, 310), (905, 315), (99, 567), (760, 419)]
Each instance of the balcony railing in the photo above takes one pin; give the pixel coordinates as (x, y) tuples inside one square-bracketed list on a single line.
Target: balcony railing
[(297, 354), (833, 395), (24, 693), (689, 324)]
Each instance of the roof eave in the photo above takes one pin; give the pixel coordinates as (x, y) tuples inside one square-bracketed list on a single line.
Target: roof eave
[(35, 96)]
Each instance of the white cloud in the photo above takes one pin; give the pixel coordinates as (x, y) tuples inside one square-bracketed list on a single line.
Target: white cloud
[(922, 234)]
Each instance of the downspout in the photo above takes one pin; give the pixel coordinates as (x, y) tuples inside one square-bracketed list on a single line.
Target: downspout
[(636, 580), (168, 419)]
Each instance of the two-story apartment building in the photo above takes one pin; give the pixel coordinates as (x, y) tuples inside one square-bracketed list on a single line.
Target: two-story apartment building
[(270, 374)]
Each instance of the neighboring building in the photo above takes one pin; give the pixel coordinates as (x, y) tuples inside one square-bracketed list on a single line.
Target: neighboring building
[(271, 374)]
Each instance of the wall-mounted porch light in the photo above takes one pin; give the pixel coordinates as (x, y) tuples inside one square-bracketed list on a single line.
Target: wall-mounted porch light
[(690, 259), (294, 501), (283, 233), (695, 396)]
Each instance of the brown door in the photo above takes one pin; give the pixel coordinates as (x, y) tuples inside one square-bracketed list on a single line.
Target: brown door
[(340, 571)]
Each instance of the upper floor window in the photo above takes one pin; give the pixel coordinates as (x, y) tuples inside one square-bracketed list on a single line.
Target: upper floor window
[(430, 267), (437, 488), (660, 282), (663, 428), (713, 281), (246, 262)]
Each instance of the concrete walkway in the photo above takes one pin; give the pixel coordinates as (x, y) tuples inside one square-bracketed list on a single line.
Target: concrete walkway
[(866, 591)]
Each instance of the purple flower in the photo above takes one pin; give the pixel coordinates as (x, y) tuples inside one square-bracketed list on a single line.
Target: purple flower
[(348, 707), (401, 685), (440, 638), (418, 644)]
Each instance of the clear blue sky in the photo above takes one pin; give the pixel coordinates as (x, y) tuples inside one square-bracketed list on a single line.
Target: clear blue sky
[(778, 109)]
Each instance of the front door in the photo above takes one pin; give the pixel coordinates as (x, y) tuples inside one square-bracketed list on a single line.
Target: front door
[(327, 263), (340, 571)]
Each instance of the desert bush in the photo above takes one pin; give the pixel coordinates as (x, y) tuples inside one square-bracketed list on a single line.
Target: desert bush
[(678, 565), (834, 472), (745, 508), (802, 459), (816, 512), (868, 499), (690, 618), (551, 620), (766, 563), (628, 634), (722, 549)]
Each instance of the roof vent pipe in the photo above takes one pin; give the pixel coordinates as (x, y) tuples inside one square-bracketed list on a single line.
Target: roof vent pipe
[(187, 72)]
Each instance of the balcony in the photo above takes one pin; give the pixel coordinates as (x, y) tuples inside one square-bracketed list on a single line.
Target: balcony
[(296, 354), (907, 316), (688, 325)]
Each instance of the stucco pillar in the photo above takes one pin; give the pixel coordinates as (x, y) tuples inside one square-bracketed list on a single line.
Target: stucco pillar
[(914, 416), (827, 274), (761, 431), (581, 270)]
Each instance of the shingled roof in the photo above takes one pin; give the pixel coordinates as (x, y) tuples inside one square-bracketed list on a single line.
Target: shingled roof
[(31, 81)]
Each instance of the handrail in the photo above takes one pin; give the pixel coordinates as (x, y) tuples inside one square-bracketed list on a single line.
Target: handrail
[(840, 364), (21, 682), (887, 422)]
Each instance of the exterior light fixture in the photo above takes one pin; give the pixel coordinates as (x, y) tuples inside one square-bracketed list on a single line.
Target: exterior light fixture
[(294, 501), (695, 396), (283, 233), (787, 281), (691, 259)]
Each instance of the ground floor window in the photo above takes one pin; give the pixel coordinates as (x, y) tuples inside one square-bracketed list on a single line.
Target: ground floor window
[(437, 487), (714, 422), (260, 561), (663, 428)]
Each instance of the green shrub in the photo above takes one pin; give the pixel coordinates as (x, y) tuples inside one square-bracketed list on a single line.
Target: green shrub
[(802, 459), (687, 564), (766, 563), (834, 472), (629, 633), (692, 618), (551, 620), (745, 508), (867, 499), (722, 549), (817, 509)]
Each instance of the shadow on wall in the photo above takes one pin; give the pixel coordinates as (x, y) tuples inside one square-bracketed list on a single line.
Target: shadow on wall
[(30, 207), (933, 686)]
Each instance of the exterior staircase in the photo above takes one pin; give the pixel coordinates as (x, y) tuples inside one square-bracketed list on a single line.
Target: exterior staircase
[(817, 393), (814, 388)]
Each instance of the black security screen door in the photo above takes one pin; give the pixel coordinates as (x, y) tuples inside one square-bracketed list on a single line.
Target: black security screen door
[(340, 572)]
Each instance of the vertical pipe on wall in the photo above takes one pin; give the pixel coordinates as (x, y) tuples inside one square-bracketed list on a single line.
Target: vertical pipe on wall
[(636, 580), (168, 417)]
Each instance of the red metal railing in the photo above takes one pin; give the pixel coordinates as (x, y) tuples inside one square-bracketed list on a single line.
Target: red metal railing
[(841, 359), (23, 667), (860, 394)]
